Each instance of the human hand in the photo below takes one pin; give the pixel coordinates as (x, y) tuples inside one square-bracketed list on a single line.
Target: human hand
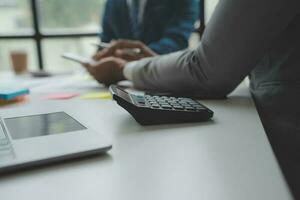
[(128, 50), (108, 70)]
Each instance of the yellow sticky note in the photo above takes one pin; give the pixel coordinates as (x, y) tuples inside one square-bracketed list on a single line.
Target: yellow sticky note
[(97, 95)]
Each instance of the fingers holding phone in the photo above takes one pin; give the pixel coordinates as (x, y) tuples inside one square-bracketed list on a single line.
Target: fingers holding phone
[(77, 58), (87, 63), (108, 70), (107, 65), (126, 49), (129, 54)]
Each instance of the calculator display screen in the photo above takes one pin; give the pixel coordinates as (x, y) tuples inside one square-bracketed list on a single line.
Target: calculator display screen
[(41, 125), (124, 95)]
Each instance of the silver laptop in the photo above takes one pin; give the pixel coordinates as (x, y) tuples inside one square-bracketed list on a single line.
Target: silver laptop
[(46, 137)]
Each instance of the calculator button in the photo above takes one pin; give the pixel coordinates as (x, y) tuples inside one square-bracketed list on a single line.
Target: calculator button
[(166, 106), (164, 103), (155, 106), (198, 106), (185, 105), (192, 102), (178, 107), (189, 107), (181, 101)]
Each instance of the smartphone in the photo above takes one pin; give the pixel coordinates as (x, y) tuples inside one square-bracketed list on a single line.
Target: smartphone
[(77, 58), (133, 51), (101, 45)]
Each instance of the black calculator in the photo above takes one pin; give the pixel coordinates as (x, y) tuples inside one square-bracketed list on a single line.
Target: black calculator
[(150, 109)]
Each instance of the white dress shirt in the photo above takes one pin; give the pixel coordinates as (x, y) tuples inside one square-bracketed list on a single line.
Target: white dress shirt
[(141, 8)]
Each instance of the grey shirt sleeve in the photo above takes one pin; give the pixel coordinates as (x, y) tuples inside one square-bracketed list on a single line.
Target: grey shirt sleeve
[(238, 34)]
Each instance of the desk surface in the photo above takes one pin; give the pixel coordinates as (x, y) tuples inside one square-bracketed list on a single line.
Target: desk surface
[(229, 158)]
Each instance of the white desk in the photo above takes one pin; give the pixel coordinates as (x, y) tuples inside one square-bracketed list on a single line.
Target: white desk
[(227, 159)]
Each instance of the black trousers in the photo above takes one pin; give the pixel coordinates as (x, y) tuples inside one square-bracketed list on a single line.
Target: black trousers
[(279, 110)]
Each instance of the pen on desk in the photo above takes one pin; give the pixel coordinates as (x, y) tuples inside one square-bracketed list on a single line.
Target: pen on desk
[(103, 45)]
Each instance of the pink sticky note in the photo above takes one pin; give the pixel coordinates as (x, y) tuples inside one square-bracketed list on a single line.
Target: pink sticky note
[(60, 96)]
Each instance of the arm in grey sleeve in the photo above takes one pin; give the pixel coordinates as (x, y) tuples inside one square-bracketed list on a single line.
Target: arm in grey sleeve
[(237, 35)]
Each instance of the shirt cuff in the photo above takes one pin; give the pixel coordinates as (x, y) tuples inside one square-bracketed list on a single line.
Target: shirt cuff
[(128, 70)]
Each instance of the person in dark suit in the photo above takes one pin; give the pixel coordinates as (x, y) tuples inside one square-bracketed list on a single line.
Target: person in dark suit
[(163, 25)]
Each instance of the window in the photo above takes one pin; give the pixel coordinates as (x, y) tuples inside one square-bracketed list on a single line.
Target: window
[(209, 8), (47, 28), (15, 17), (67, 16)]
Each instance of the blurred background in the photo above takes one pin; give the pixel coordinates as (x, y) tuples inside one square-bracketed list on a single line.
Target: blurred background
[(45, 29)]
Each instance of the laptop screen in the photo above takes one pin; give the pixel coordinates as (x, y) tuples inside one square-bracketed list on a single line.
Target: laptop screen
[(41, 125)]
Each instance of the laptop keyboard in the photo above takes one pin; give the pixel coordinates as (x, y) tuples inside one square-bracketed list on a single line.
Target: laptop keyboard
[(3, 138), (6, 150)]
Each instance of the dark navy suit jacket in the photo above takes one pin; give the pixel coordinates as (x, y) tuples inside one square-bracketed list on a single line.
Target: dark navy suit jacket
[(166, 26)]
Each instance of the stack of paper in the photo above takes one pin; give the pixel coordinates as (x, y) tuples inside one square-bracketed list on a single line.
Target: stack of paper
[(12, 94)]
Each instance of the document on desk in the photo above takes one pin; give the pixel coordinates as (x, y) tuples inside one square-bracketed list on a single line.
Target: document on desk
[(60, 96)]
